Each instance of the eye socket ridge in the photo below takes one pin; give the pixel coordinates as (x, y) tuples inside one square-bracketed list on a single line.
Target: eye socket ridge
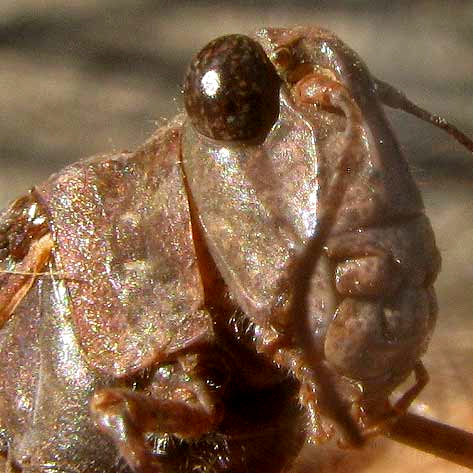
[(231, 90)]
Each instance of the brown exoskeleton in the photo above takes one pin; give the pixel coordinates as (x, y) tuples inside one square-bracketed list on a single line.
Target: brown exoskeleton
[(258, 273)]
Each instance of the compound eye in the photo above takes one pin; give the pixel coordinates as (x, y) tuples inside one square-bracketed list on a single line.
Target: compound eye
[(231, 90)]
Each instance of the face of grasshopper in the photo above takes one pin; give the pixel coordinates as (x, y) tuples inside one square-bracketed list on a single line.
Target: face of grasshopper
[(329, 170), (267, 251)]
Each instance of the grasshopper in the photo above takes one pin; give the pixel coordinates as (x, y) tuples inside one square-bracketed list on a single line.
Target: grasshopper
[(257, 275)]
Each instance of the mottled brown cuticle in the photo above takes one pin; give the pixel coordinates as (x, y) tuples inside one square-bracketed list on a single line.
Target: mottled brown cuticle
[(24, 224), (231, 90)]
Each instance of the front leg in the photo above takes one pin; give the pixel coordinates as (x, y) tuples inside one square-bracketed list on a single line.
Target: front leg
[(326, 398), (177, 401)]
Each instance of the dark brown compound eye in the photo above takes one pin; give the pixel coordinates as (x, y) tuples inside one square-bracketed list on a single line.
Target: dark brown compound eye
[(231, 90)]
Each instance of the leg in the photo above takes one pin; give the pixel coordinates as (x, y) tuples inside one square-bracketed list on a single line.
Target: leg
[(325, 399), (401, 406), (177, 402), (422, 378), (443, 441)]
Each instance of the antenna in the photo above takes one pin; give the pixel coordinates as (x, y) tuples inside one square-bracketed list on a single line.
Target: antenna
[(394, 98)]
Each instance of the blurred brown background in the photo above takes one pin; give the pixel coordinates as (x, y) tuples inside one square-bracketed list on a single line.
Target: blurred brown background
[(79, 77)]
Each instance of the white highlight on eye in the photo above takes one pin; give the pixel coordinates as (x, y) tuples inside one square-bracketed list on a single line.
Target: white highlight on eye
[(211, 83)]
